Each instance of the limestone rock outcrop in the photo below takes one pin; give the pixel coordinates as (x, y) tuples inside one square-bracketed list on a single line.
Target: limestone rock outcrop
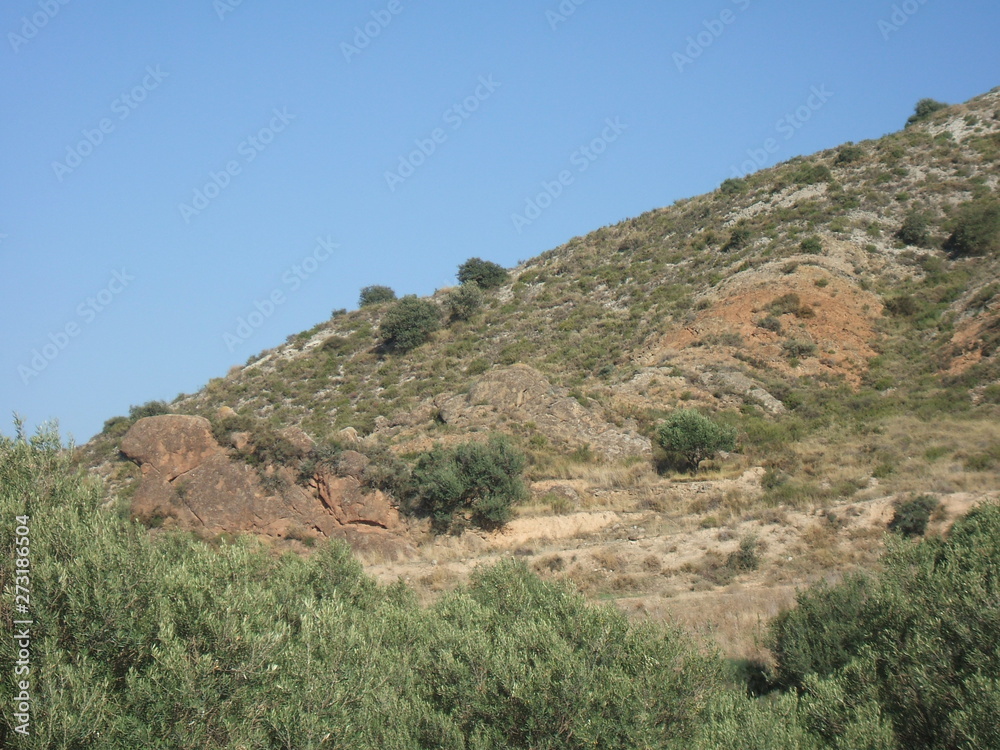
[(522, 394)]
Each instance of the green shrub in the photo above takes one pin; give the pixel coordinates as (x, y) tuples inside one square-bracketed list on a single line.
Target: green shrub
[(810, 174), (336, 345), (811, 245), (409, 323), (902, 305), (116, 427), (914, 230), (465, 301), (821, 634), (924, 109), (918, 641), (911, 517), (375, 295), (733, 186), (748, 557), (690, 437), (739, 239), (786, 304), (977, 230), (797, 348), (849, 154), (148, 409), (770, 323), (480, 480), (485, 274)]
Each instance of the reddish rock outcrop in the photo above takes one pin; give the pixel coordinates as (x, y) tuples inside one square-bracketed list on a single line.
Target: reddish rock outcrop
[(170, 445), (189, 478)]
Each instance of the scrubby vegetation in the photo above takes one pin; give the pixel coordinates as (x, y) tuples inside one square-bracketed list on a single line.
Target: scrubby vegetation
[(409, 323), (483, 273), (465, 301), (977, 229), (911, 648), (924, 109), (375, 295), (472, 482), (225, 646), (689, 438)]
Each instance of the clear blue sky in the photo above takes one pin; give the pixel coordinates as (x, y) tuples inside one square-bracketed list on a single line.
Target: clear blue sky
[(505, 94)]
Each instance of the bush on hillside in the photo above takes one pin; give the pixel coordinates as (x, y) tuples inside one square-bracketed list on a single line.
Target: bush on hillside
[(483, 273), (811, 245), (848, 154), (914, 230), (738, 239), (148, 409), (409, 323), (977, 229), (924, 109), (465, 301), (690, 437), (375, 295), (481, 480), (733, 186), (911, 517)]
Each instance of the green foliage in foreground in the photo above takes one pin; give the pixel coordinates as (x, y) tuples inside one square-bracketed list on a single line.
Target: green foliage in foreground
[(691, 437), (169, 642), (917, 645)]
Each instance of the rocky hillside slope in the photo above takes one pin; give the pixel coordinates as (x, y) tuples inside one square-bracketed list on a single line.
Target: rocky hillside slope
[(833, 309)]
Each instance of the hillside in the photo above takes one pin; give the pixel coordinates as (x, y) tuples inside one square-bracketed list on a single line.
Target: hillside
[(857, 369)]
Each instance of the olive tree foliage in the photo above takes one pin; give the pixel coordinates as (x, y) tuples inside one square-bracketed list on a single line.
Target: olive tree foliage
[(916, 643), (482, 481)]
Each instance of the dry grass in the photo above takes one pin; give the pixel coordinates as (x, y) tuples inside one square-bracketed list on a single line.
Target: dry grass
[(605, 476), (735, 620)]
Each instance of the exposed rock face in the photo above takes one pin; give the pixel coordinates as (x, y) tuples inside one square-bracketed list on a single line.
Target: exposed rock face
[(190, 478), (170, 445), (741, 385), (521, 393)]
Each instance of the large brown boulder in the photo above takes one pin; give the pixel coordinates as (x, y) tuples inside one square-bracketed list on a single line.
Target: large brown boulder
[(189, 478), (170, 445)]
